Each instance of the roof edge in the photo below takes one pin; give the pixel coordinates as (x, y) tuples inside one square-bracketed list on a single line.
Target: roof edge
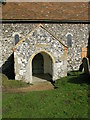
[(53, 35), (42, 21), (26, 36), (40, 25)]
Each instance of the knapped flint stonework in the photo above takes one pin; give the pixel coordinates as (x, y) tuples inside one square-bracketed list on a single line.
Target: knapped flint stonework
[(39, 41), (79, 39)]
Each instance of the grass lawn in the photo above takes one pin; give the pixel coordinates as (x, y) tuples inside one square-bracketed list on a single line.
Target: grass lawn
[(69, 99), (12, 83)]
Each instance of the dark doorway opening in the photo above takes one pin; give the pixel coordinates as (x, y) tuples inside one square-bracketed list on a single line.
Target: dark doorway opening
[(38, 64)]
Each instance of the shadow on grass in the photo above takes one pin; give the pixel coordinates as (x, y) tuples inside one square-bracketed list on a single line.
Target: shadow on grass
[(8, 68), (73, 77), (78, 78)]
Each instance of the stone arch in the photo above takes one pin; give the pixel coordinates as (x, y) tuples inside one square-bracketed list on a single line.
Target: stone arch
[(16, 33), (69, 34), (28, 76)]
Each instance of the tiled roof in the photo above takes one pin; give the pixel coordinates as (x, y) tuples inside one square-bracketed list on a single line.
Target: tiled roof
[(45, 11)]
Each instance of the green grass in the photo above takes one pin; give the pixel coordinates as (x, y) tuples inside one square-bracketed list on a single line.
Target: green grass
[(12, 83), (68, 100)]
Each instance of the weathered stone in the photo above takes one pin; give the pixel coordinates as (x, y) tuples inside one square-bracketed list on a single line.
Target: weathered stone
[(79, 40), (50, 56)]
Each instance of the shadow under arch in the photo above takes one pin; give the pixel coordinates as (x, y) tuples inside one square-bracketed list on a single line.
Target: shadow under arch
[(38, 64), (43, 53)]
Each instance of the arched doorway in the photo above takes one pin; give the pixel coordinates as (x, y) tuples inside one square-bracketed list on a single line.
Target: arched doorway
[(42, 67), (38, 64)]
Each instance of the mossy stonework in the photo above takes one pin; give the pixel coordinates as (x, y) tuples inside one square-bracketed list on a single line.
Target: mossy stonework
[(48, 39)]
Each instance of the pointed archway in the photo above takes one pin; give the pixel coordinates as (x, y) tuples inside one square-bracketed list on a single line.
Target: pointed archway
[(42, 68), (46, 72)]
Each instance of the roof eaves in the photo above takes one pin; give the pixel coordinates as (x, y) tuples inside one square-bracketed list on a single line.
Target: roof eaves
[(42, 21), (54, 36)]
